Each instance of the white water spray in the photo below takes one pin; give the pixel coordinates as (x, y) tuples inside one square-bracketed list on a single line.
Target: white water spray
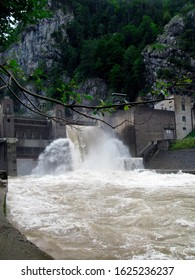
[(101, 151), (92, 149), (56, 158)]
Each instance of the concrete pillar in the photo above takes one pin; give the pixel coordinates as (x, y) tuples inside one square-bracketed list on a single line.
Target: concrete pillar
[(8, 156), (58, 127), (3, 178), (11, 157), (7, 140), (3, 154)]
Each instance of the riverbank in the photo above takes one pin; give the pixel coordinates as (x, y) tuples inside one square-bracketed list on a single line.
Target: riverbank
[(13, 244)]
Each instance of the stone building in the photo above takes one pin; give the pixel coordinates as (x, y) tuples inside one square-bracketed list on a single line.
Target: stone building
[(183, 108)]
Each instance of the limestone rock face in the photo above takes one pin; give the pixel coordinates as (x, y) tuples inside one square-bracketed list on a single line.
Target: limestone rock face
[(95, 87), (37, 46), (36, 43), (174, 27), (166, 57)]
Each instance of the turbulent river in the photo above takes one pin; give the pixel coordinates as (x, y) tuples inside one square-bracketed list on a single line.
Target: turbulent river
[(98, 211)]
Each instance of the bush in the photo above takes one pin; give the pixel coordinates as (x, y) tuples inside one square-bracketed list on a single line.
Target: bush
[(187, 143)]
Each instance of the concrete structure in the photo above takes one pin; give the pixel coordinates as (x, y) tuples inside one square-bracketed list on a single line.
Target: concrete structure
[(141, 126), (26, 137), (7, 140), (183, 107), (142, 129)]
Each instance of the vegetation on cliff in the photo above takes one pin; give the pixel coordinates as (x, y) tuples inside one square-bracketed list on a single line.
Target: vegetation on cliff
[(16, 15), (105, 39)]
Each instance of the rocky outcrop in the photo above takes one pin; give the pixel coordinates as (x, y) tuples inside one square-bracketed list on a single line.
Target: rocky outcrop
[(95, 87), (37, 48), (36, 43), (166, 59)]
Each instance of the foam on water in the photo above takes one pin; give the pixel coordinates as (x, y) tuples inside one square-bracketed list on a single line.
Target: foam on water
[(80, 203), (107, 214)]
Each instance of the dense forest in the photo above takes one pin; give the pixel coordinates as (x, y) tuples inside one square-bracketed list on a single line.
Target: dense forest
[(105, 39)]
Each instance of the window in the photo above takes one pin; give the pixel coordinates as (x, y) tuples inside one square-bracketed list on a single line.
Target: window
[(183, 107), (184, 128), (59, 114), (43, 106), (8, 109), (183, 118)]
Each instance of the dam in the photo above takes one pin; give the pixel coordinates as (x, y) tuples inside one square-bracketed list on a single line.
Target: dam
[(100, 211)]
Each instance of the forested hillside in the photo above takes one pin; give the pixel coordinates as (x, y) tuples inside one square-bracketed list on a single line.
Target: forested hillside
[(104, 40)]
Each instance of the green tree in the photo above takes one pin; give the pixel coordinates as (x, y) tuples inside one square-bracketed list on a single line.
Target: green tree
[(108, 53), (87, 65), (130, 85), (75, 34), (19, 13), (131, 35), (116, 78), (148, 30)]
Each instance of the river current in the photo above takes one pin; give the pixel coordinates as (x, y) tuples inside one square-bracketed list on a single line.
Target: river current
[(109, 213)]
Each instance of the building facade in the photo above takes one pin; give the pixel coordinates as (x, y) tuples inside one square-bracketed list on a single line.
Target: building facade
[(183, 108), (26, 137)]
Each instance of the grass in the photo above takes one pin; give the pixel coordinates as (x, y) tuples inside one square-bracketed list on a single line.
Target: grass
[(187, 143), (158, 47)]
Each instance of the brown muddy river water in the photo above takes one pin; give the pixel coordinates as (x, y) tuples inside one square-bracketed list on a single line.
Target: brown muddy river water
[(107, 215), (104, 212)]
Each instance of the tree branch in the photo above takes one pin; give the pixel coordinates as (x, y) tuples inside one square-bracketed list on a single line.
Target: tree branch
[(74, 107)]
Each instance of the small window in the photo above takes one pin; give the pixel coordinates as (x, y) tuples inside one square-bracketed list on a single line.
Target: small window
[(184, 128), (183, 118), (43, 106), (8, 109), (59, 114), (8, 120), (183, 107)]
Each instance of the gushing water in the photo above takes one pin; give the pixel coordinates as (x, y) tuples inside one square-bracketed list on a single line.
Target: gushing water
[(87, 148), (56, 158), (99, 150), (89, 212)]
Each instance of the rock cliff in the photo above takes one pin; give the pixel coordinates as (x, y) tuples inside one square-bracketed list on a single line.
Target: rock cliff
[(165, 59), (168, 58), (36, 43), (37, 46)]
